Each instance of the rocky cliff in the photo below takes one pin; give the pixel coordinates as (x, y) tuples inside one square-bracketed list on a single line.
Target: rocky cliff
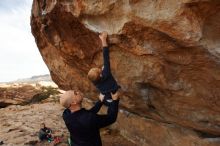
[(164, 53)]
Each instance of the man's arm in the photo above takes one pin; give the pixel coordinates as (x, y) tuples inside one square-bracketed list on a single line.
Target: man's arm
[(95, 109), (101, 121), (112, 113)]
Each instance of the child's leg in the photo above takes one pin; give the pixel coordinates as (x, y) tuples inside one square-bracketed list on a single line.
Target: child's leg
[(107, 99), (114, 91), (108, 96)]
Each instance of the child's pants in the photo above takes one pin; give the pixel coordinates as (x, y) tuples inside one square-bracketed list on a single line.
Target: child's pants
[(108, 97)]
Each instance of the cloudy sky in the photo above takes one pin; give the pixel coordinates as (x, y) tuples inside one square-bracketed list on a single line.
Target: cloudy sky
[(19, 55)]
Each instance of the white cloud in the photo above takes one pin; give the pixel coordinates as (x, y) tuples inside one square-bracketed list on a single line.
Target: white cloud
[(19, 56)]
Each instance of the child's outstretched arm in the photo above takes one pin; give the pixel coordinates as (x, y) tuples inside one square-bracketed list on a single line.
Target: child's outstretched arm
[(106, 59)]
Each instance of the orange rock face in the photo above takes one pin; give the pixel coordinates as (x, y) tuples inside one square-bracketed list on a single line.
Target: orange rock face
[(165, 54)]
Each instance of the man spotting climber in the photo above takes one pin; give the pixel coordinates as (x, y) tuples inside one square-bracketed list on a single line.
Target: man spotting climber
[(83, 124), (103, 79)]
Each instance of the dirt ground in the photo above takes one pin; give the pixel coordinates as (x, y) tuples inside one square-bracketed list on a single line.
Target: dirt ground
[(109, 138)]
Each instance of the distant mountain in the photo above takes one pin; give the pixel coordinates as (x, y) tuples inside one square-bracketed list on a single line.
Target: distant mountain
[(34, 79)]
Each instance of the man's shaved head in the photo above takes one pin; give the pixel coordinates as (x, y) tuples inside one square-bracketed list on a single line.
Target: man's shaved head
[(71, 97)]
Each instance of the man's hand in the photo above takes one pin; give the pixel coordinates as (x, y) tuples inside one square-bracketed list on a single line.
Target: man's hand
[(103, 36), (116, 95), (101, 97)]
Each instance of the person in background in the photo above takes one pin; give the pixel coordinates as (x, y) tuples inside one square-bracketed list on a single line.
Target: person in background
[(45, 133)]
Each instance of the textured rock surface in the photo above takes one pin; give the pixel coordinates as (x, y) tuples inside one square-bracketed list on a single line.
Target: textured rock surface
[(164, 53), (17, 94), (20, 124), (148, 132), (26, 93)]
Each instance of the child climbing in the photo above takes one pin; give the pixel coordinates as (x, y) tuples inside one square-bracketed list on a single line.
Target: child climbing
[(102, 78)]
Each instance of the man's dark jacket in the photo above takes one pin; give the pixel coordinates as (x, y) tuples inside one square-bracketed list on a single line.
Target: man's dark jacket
[(84, 125)]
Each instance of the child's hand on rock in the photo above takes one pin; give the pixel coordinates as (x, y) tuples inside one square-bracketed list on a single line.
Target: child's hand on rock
[(103, 36)]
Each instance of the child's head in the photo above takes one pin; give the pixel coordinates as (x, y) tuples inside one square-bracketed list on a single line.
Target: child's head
[(94, 74)]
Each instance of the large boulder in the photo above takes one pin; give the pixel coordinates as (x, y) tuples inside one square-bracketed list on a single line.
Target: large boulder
[(17, 94), (165, 54)]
